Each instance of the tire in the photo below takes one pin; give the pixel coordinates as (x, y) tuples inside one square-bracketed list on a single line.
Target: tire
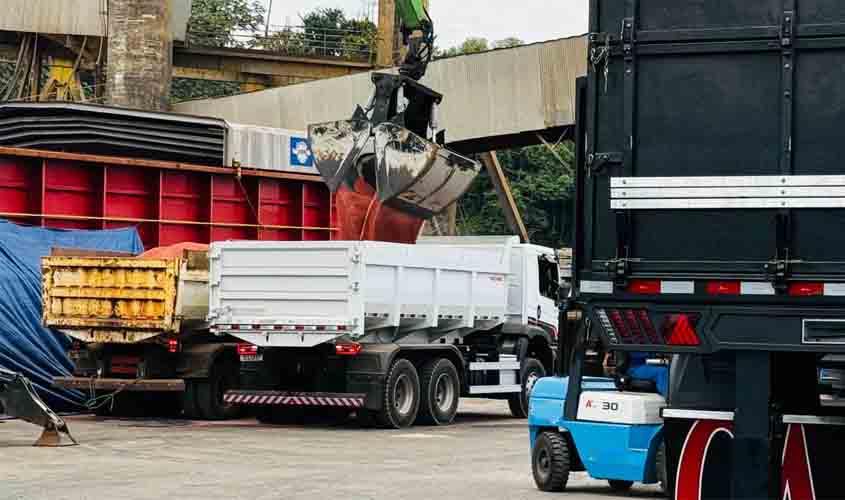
[(550, 462), (619, 486), (189, 400), (401, 401), (663, 478), (532, 370), (440, 392), (210, 391)]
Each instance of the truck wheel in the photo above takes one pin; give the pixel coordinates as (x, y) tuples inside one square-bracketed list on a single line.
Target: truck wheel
[(440, 392), (189, 400), (532, 371), (401, 396), (620, 486), (209, 392), (550, 461)]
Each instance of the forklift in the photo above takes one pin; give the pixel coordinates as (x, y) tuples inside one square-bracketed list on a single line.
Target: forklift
[(581, 420)]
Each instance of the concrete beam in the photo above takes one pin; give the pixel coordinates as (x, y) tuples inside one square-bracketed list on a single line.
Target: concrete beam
[(493, 100), (258, 66)]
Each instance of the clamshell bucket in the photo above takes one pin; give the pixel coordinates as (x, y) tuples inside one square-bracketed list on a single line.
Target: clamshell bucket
[(409, 173), (416, 175), (337, 147)]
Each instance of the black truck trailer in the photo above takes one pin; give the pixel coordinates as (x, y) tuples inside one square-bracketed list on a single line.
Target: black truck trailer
[(711, 226)]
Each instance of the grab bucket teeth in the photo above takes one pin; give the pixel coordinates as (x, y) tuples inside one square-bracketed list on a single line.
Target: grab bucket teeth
[(337, 147), (416, 175)]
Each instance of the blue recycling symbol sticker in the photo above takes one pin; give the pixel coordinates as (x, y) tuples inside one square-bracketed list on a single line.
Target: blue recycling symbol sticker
[(300, 153)]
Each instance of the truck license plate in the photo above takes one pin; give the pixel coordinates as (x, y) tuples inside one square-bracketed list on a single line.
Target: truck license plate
[(252, 358)]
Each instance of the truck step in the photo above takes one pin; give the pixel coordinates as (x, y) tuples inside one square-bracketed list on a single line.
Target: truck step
[(276, 398)]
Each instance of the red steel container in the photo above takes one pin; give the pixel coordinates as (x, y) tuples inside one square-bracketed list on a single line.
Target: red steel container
[(168, 202)]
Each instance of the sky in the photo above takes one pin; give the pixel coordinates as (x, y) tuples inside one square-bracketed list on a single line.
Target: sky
[(455, 20)]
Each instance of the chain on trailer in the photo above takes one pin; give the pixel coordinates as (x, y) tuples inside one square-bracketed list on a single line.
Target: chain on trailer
[(20, 400)]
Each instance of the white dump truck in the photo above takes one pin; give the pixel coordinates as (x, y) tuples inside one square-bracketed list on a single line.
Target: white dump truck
[(386, 330)]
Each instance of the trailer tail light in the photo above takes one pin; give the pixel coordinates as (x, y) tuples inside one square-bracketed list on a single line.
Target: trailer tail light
[(806, 289), (645, 287), (635, 327), (679, 329), (247, 350), (172, 346), (347, 349), (724, 288)]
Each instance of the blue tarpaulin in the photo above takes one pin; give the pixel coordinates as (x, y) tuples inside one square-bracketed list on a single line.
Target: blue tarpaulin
[(26, 346)]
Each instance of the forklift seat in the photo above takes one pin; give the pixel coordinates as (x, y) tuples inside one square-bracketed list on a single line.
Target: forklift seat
[(629, 384)]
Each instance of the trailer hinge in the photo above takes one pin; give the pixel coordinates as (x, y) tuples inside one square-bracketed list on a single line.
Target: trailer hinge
[(619, 269), (597, 162), (628, 37), (787, 30), (777, 272)]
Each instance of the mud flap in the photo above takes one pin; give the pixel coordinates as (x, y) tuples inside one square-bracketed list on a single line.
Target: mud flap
[(20, 400)]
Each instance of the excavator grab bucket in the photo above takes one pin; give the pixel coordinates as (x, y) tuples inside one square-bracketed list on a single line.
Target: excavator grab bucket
[(416, 175), (409, 173), (337, 147), (19, 400)]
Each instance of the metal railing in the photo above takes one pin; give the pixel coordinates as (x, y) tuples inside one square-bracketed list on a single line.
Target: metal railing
[(298, 41)]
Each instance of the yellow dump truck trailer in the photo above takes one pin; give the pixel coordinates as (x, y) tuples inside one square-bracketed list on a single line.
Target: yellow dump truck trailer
[(139, 333)]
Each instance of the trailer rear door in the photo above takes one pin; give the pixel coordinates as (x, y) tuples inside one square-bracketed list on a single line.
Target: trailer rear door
[(714, 138)]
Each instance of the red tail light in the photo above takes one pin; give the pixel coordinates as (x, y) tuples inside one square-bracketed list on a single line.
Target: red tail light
[(172, 346), (679, 329), (806, 289), (76, 345), (644, 287), (247, 350), (620, 325), (347, 349), (724, 288)]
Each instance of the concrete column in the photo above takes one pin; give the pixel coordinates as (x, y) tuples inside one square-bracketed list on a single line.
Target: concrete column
[(140, 53), (387, 33)]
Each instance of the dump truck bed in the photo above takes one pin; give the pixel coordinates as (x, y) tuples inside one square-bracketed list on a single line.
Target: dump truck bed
[(124, 299), (306, 293)]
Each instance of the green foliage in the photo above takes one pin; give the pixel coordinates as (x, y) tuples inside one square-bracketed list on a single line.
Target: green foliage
[(327, 33), (474, 45), (508, 43), (185, 89), (542, 188), (218, 22)]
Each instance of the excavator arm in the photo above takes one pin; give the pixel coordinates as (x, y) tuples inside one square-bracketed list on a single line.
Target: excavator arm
[(418, 35), (387, 164)]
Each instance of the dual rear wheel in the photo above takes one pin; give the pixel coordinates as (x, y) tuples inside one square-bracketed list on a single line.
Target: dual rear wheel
[(428, 396)]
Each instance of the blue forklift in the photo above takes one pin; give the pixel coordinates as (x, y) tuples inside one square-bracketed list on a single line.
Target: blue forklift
[(609, 427)]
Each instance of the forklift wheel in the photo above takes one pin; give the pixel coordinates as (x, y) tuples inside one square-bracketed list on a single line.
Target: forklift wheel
[(550, 461), (620, 486)]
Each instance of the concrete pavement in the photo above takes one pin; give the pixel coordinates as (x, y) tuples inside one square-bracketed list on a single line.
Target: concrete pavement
[(484, 456)]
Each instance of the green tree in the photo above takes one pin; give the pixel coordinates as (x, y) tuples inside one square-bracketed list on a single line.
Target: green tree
[(223, 23), (218, 23), (542, 184), (507, 43), (471, 45), (542, 187)]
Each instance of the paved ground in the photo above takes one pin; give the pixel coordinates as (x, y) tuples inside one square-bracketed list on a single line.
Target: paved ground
[(483, 456)]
